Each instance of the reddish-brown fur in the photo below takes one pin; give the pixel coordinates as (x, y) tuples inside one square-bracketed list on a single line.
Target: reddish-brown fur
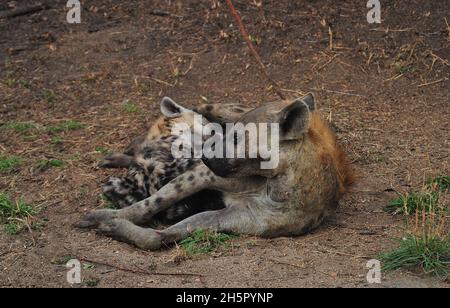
[(330, 152)]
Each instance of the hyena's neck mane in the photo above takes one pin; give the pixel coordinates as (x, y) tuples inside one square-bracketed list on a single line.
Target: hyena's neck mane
[(329, 151)]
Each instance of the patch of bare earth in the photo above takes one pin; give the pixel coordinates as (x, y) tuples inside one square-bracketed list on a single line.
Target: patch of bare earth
[(385, 88)]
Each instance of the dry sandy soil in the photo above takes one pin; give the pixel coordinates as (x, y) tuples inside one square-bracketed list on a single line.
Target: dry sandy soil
[(384, 87)]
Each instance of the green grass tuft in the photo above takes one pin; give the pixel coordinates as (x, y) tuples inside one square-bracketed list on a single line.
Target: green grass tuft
[(45, 164), (255, 40), (92, 283), (430, 252), (88, 266), (9, 163), (102, 150), (427, 243), (66, 126), (203, 242), (65, 259), (20, 127), (441, 183), (12, 228), (10, 82), (26, 84), (412, 202), (14, 214), (425, 200), (107, 203), (404, 68), (56, 140), (130, 107), (49, 96)]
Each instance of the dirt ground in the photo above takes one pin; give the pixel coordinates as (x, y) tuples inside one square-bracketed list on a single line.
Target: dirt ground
[(385, 87)]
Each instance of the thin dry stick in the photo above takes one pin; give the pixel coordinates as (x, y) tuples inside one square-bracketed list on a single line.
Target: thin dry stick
[(24, 11), (246, 36), (162, 82), (287, 263), (448, 28), (344, 254), (446, 62), (330, 32), (387, 30), (432, 83), (141, 272), (5, 253)]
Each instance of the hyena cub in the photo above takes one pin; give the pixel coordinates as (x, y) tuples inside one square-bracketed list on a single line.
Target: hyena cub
[(291, 199), (151, 165)]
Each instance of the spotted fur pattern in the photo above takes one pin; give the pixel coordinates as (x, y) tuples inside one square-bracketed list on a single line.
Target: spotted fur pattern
[(152, 167)]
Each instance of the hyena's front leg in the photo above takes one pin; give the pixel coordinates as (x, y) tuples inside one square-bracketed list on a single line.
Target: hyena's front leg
[(236, 219), (185, 185), (127, 232), (122, 160), (116, 161)]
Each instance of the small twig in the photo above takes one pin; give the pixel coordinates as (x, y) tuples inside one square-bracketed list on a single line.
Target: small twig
[(191, 66), (395, 77), (325, 274), (162, 82), (448, 28), (24, 11), (286, 263), (412, 52), (326, 64), (300, 93), (163, 14), (340, 92), (246, 37), (26, 224), (159, 13), (387, 30), (330, 32), (344, 254), (432, 83), (446, 62), (141, 272), (5, 253)]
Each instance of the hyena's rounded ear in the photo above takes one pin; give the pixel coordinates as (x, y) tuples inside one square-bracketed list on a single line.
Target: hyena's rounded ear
[(310, 101), (294, 119), (171, 109)]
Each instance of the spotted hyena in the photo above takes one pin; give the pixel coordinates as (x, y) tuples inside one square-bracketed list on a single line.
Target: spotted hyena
[(291, 199), (151, 165)]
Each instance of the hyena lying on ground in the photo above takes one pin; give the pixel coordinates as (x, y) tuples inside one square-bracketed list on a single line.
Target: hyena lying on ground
[(151, 164), (291, 199)]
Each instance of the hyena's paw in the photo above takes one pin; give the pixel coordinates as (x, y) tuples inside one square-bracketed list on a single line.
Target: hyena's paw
[(115, 161), (93, 220), (125, 231)]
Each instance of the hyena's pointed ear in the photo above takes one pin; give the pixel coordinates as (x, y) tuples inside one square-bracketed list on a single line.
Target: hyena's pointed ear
[(294, 119), (171, 109)]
